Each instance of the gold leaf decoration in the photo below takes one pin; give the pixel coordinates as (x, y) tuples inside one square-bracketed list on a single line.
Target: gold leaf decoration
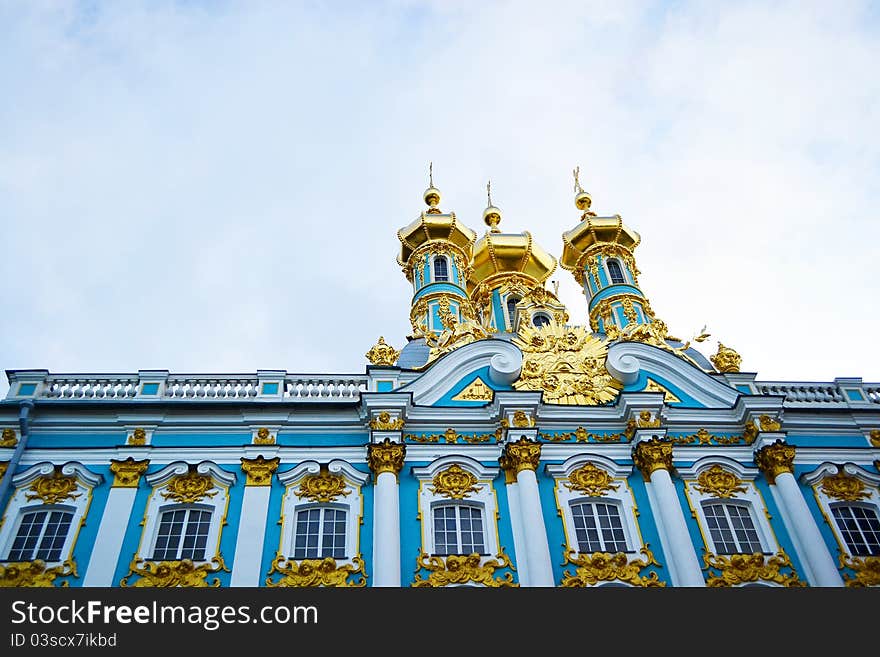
[(476, 390), (7, 438), (718, 482), (523, 420), (590, 569), (645, 421), (844, 487), (259, 471), (316, 572), (386, 456), (775, 459), (736, 569), (189, 488), (726, 359), (769, 424), (127, 473), (703, 437), (669, 396), (264, 437), (323, 487), (874, 437), (454, 483), (382, 353), (54, 488), (35, 574), (138, 437), (462, 569), (866, 569), (566, 363), (383, 422), (590, 480), (653, 454), (524, 454), (164, 574)]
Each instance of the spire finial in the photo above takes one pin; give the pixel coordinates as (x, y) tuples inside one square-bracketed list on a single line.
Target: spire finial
[(491, 215), (577, 183), (582, 200), (432, 194)]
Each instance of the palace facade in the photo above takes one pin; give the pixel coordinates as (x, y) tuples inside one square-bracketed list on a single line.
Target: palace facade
[(501, 446)]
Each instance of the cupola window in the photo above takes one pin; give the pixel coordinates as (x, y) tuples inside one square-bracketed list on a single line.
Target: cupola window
[(615, 272), (511, 311), (540, 319), (441, 269)]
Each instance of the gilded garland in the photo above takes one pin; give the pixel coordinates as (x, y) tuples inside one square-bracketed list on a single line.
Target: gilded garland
[(316, 572), (183, 573), (866, 569), (742, 568), (462, 569), (590, 569), (566, 363)]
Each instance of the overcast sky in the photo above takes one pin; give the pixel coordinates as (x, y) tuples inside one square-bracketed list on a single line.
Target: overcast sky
[(216, 186)]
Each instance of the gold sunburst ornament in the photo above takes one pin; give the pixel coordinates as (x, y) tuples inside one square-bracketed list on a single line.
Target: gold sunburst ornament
[(566, 363)]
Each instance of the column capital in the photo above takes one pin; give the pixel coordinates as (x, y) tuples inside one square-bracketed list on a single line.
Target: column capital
[(524, 454), (386, 456), (775, 459), (259, 471), (652, 454), (127, 473), (507, 467)]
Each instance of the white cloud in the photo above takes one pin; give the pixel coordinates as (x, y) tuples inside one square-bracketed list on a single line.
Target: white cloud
[(217, 188)]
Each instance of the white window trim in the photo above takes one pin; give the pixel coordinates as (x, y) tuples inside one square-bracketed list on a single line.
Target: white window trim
[(751, 499), (623, 271), (434, 269), (622, 498), (484, 498), (353, 504), (511, 322), (156, 504), (826, 503), (19, 505)]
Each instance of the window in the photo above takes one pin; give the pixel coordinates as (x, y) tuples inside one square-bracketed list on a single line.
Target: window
[(859, 528), (615, 272), (598, 527), (511, 310), (458, 529), (320, 532), (540, 319), (441, 269), (731, 528), (41, 535), (182, 534)]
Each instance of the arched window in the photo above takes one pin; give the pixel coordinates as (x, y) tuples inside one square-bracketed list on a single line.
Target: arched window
[(441, 269), (859, 527), (41, 535), (731, 528), (511, 310), (319, 532), (598, 527), (182, 533), (615, 272), (540, 319), (458, 529)]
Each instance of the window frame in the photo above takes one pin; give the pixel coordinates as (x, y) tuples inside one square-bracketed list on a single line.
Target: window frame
[(510, 313), (435, 277), (607, 263), (458, 505), (188, 508), (25, 511), (726, 505), (19, 505), (544, 316), (593, 501), (322, 508)]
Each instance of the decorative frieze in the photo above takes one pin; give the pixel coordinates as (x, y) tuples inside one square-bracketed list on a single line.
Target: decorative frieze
[(324, 572), (463, 569), (165, 574), (592, 569)]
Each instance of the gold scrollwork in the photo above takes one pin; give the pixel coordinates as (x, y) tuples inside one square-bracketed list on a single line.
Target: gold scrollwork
[(7, 438), (454, 482), (451, 436), (726, 359), (383, 422), (651, 455), (166, 574), (138, 437), (316, 572), (769, 424), (382, 353), (323, 487), (35, 574), (645, 421), (581, 435), (590, 569), (127, 473), (590, 480), (866, 569), (874, 437), (524, 454), (263, 437), (741, 568), (54, 488), (190, 487), (259, 471), (462, 569), (703, 437), (718, 482), (775, 459), (844, 487), (386, 456)]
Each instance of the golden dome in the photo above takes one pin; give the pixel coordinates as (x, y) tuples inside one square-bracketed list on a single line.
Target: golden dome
[(505, 253), (595, 230), (430, 227)]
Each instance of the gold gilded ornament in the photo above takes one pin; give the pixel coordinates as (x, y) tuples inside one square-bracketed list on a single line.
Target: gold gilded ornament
[(726, 359), (164, 574), (703, 437), (651, 455), (769, 424), (590, 569), (462, 569), (382, 353), (523, 420), (581, 435), (35, 574), (127, 473), (476, 390), (646, 422), (455, 333), (566, 363), (323, 487), (866, 569), (455, 483), (54, 488), (259, 471), (718, 482), (742, 568), (386, 457), (264, 437), (669, 397), (383, 422), (4, 466), (523, 454), (316, 572), (750, 432), (844, 487), (776, 459), (138, 437), (7, 438), (190, 487), (874, 437), (590, 480)]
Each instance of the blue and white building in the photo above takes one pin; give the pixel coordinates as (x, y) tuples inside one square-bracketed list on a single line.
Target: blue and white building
[(500, 446)]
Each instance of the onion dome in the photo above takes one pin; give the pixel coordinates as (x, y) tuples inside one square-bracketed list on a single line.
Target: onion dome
[(595, 230)]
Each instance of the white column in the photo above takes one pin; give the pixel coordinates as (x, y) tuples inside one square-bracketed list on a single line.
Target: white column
[(115, 520), (654, 458), (776, 460), (248, 560), (386, 461), (524, 456), (519, 539)]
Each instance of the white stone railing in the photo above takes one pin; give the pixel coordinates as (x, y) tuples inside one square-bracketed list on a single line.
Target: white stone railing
[(89, 386), (801, 392)]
